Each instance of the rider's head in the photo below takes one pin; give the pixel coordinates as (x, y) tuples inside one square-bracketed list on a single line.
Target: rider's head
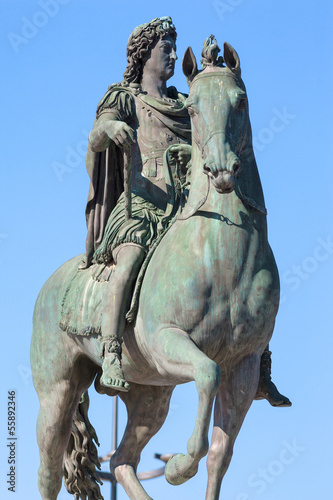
[(141, 42)]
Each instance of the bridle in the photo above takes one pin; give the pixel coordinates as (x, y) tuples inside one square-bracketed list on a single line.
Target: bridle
[(208, 137), (211, 132), (202, 145)]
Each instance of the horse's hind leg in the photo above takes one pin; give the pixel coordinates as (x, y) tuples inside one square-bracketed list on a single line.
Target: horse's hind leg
[(53, 431), (58, 402), (147, 408), (177, 356), (232, 403)]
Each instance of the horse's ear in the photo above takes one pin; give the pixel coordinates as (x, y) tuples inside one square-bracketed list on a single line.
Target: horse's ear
[(190, 68), (231, 58)]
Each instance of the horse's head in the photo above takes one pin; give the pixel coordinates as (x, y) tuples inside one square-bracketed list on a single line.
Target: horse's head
[(218, 108)]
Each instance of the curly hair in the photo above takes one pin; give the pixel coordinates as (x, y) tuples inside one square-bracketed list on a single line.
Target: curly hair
[(140, 44)]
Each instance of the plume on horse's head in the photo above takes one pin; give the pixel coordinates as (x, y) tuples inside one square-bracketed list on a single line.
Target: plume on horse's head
[(210, 58), (210, 51)]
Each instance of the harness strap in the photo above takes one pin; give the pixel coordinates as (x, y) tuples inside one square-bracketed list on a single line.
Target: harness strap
[(185, 216), (210, 135)]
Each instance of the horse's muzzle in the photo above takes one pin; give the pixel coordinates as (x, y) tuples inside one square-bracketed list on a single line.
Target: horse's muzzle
[(223, 180)]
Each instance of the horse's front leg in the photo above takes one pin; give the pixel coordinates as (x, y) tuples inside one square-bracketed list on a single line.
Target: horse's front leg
[(232, 403), (179, 358), (147, 408)]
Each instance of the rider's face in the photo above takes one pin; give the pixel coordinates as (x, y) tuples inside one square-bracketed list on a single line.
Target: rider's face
[(162, 59)]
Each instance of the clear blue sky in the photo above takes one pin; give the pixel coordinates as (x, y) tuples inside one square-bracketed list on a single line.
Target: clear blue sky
[(57, 64)]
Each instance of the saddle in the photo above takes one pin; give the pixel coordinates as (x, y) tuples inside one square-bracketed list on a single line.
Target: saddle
[(81, 310), (81, 307)]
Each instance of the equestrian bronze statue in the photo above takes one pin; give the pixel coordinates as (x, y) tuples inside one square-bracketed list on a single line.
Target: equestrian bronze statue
[(178, 282)]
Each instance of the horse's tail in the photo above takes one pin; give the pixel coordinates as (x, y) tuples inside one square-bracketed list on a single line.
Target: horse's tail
[(81, 458)]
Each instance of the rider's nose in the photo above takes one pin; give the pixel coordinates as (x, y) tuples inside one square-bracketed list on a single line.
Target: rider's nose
[(174, 55)]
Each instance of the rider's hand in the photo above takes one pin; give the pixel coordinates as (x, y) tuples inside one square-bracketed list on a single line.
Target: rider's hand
[(181, 154), (121, 133)]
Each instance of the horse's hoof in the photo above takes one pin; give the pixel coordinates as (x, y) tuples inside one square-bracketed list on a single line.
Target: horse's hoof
[(282, 402), (268, 390), (175, 470), (172, 474)]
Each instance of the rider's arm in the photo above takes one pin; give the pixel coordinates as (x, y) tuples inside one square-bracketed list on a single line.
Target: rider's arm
[(98, 137), (109, 128), (113, 114)]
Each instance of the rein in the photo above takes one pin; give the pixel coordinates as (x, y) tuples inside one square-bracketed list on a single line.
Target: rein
[(184, 216), (246, 199)]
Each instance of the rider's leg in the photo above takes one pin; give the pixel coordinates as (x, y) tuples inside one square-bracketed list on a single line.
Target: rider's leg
[(128, 258), (266, 388)]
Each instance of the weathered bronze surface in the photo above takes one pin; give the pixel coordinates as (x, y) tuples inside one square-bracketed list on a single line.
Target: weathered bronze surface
[(209, 286)]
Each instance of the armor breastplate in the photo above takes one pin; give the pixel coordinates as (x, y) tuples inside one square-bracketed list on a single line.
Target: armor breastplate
[(153, 138)]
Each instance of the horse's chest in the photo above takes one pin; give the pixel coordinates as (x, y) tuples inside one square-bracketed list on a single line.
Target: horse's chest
[(234, 290), (220, 293)]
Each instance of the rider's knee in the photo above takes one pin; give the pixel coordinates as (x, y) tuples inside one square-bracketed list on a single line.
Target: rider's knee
[(128, 258), (128, 251)]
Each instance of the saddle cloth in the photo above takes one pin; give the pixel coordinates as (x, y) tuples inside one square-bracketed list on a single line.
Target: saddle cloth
[(81, 310)]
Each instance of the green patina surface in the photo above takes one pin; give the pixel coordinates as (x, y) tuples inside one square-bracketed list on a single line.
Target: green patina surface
[(209, 295)]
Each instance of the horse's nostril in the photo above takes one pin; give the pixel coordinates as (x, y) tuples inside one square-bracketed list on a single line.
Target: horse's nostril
[(236, 168), (207, 170)]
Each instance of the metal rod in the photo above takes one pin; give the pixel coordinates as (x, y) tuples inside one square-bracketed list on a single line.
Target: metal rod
[(114, 442), (107, 476), (150, 474)]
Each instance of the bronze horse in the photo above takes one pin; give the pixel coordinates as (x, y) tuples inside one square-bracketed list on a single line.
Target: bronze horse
[(206, 312)]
